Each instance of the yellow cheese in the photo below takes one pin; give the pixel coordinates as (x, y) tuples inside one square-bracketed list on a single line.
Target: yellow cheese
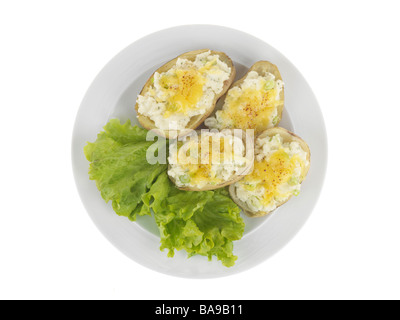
[(217, 152), (249, 108), (184, 89), (271, 174)]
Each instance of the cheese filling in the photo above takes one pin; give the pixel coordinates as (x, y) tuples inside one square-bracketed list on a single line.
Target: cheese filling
[(276, 176), (212, 158), (252, 105), (184, 91)]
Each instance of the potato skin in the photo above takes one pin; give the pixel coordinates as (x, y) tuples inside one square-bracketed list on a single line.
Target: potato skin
[(260, 67), (287, 137), (195, 121), (246, 170)]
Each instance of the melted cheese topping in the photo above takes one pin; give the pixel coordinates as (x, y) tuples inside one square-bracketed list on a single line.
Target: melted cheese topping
[(250, 109), (275, 171), (184, 91), (210, 160), (278, 173), (252, 105)]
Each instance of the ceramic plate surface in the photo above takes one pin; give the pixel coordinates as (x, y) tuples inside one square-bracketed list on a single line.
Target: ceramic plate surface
[(113, 94)]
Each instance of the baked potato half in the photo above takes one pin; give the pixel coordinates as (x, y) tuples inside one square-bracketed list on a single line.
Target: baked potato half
[(208, 160), (282, 161), (182, 93), (255, 101)]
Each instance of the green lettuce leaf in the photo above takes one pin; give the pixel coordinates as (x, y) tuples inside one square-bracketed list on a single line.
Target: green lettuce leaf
[(204, 223), (119, 166)]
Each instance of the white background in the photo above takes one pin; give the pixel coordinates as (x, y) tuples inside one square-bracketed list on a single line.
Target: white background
[(349, 52)]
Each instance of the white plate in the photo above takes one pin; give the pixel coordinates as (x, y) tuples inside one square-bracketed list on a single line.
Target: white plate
[(113, 94)]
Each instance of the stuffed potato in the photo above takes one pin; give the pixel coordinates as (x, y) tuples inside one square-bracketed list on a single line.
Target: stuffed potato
[(210, 160), (282, 161), (184, 91), (254, 102)]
